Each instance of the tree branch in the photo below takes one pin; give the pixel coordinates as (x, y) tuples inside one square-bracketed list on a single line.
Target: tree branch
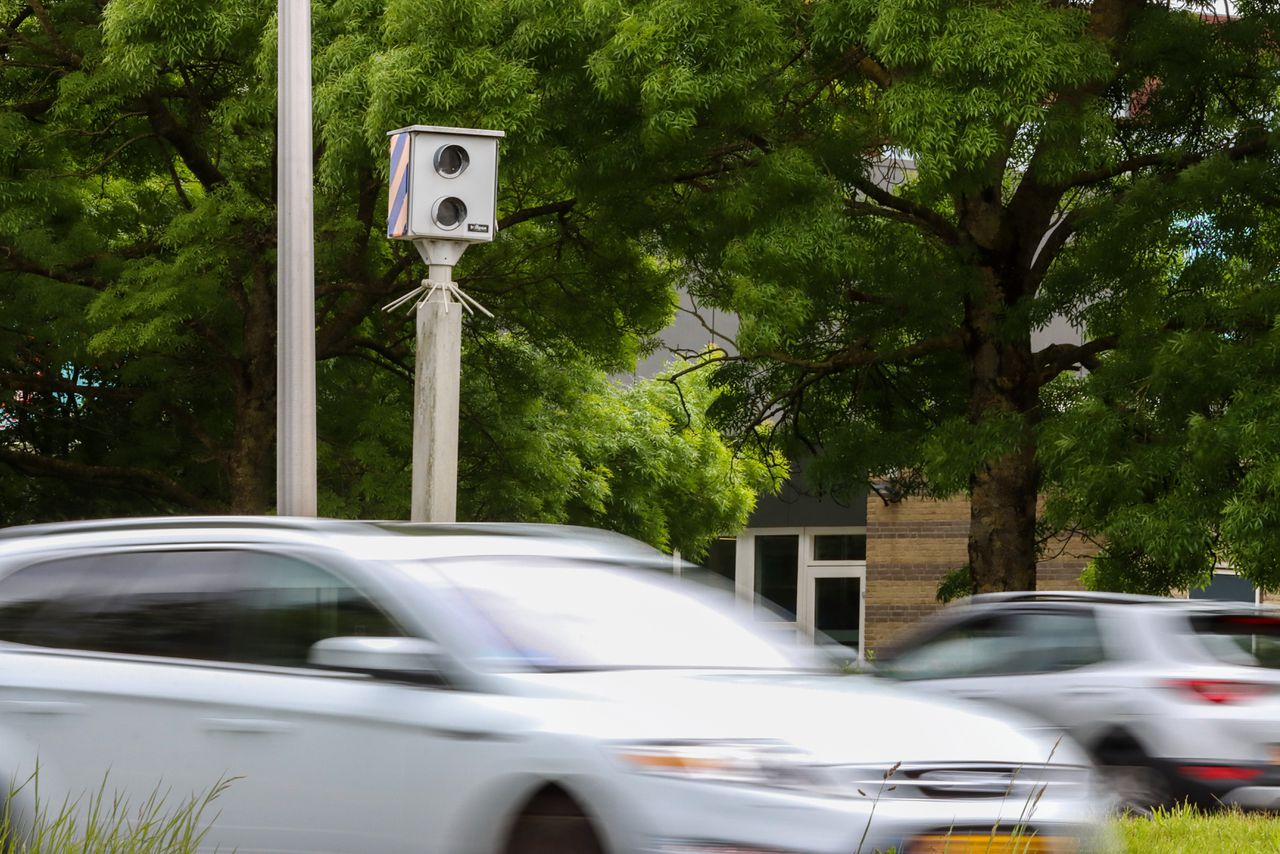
[(1173, 161), (23, 382), (60, 47), (14, 263), (918, 215), (520, 216), (141, 481), (860, 354), (1059, 233), (1057, 358), (112, 155), (711, 171), (166, 126)]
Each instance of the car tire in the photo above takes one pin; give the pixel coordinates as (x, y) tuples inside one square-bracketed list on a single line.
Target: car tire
[(552, 823), (1137, 789)]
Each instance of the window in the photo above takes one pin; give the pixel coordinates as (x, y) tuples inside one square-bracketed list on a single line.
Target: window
[(1004, 644), (1057, 641), (837, 608), (721, 557), (146, 603), (286, 606), (1226, 586), (808, 582), (972, 648), (841, 547), (1245, 638), (777, 575), (211, 605)]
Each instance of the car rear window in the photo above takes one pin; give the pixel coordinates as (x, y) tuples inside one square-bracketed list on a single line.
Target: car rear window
[(1249, 639)]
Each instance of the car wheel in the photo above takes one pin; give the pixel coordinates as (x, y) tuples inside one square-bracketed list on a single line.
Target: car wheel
[(1137, 786), (1136, 789), (553, 824)]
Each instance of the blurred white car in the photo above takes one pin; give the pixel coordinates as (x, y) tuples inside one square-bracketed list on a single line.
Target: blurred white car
[(475, 689), (1177, 699)]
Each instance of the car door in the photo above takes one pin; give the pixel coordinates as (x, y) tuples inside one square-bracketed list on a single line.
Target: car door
[(364, 765), (1047, 661), (170, 670)]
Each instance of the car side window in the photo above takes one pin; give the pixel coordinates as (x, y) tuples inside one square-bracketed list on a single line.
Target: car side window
[(1003, 644), (975, 647), (141, 603), (1061, 640), (213, 605), (286, 605)]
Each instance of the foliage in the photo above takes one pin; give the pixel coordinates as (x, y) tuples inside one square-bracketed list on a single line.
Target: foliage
[(903, 194), (137, 293), (1172, 458), (955, 584), (894, 196), (553, 439)]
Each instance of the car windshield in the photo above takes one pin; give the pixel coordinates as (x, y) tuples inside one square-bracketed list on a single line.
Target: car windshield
[(1249, 639), (555, 615)]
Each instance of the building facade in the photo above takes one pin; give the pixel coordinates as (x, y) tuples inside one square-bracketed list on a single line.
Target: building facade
[(858, 574)]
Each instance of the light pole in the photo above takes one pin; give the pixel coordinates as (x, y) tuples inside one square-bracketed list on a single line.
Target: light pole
[(295, 267)]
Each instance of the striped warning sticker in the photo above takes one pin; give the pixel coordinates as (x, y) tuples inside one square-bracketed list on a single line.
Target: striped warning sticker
[(398, 187)]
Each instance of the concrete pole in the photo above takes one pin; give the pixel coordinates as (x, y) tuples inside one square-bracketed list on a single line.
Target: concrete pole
[(295, 268), (438, 371)]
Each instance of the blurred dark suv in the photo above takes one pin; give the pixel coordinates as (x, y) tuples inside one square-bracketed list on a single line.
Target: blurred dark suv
[(1176, 699)]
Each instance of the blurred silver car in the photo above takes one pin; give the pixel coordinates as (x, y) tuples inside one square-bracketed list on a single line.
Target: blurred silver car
[(386, 687), (1177, 699)]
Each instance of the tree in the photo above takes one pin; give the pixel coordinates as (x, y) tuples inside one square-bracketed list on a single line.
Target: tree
[(1171, 459), (1058, 150), (137, 293), (744, 147)]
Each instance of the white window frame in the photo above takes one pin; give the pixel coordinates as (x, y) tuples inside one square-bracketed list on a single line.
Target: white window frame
[(808, 571)]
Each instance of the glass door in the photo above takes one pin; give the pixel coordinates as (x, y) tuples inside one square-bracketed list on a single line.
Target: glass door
[(835, 609)]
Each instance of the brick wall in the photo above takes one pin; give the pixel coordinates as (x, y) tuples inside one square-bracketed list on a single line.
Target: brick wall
[(912, 544)]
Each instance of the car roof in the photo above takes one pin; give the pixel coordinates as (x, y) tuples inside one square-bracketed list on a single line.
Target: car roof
[(1084, 597), (382, 539), (1064, 596)]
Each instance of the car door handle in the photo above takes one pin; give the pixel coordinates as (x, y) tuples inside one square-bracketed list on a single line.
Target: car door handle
[(41, 707), (1087, 691), (248, 726), (978, 695)]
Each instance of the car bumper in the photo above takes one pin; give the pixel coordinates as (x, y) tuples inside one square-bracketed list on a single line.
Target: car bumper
[(1211, 782), (696, 818)]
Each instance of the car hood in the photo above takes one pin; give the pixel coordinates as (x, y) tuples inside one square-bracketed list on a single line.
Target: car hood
[(837, 719)]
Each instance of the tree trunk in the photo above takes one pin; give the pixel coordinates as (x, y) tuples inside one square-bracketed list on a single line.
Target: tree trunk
[(251, 467), (1003, 493)]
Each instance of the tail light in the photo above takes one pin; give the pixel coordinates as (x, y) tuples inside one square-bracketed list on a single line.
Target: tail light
[(1220, 773), (1221, 691)]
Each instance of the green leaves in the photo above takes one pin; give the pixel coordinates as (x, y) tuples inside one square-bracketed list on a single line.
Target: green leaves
[(1172, 458)]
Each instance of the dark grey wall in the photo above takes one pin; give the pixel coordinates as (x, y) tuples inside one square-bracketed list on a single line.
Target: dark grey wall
[(796, 507)]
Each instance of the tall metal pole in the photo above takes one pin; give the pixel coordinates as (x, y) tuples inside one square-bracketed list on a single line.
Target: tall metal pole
[(437, 371), (295, 268)]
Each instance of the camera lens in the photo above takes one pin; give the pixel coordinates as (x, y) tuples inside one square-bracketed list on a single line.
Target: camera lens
[(451, 160), (449, 212)]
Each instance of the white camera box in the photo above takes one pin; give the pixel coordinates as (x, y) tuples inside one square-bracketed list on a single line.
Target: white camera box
[(443, 184)]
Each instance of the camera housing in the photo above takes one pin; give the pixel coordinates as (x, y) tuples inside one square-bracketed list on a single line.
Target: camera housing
[(443, 184)]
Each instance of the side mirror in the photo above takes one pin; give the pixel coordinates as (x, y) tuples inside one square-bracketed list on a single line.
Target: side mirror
[(412, 659)]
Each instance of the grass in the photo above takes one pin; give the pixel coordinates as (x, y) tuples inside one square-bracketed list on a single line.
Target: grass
[(1186, 830), (105, 823)]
